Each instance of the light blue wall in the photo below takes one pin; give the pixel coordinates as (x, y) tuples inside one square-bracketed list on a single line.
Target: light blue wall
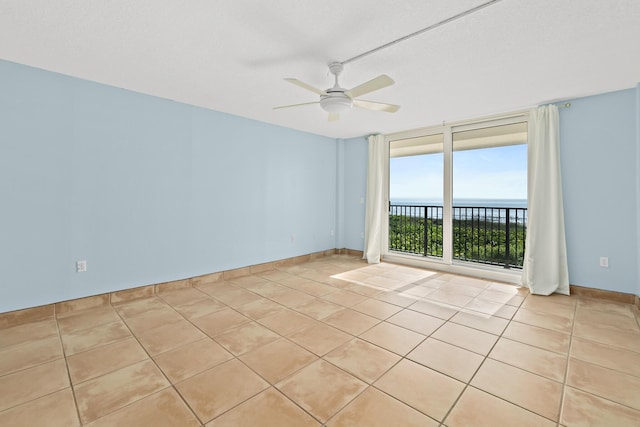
[(145, 189), (598, 144), (355, 190), (638, 186)]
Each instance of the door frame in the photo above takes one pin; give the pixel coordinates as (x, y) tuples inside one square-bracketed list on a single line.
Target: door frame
[(447, 263)]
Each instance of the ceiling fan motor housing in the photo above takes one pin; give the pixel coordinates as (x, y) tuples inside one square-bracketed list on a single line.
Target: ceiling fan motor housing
[(335, 102)]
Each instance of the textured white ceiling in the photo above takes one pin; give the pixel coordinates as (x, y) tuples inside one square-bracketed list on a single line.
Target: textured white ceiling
[(232, 55)]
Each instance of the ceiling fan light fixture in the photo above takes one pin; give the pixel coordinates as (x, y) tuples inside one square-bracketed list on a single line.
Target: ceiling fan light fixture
[(335, 102)]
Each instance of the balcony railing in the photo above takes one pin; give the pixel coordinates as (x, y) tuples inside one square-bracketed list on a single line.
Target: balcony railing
[(487, 235)]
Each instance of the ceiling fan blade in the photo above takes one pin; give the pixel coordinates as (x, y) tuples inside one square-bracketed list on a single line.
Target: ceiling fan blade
[(373, 84), (296, 105), (306, 86), (333, 117), (376, 106)]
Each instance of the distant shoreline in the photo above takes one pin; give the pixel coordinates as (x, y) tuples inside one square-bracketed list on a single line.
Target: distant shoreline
[(493, 203)]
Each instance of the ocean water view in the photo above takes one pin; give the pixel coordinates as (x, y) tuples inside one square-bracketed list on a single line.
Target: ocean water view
[(474, 203)]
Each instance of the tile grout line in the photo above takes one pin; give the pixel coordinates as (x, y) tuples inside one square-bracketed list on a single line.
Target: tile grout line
[(372, 384), (171, 385), (337, 367), (58, 335), (235, 357), (509, 321), (566, 367), (65, 358), (468, 383), (596, 364), (271, 385), (404, 357), (26, 343), (66, 364)]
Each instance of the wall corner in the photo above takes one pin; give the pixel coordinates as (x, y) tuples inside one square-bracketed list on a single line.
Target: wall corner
[(638, 193), (340, 183)]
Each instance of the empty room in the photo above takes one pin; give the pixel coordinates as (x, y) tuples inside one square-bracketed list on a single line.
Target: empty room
[(286, 213)]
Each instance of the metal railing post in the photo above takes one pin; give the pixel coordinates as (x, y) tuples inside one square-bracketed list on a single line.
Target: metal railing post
[(425, 231), (508, 238)]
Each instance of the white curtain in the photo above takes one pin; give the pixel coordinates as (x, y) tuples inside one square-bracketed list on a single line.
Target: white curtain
[(375, 200), (545, 268)]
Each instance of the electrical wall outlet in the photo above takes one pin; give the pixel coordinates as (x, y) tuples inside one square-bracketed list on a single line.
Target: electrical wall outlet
[(604, 261), (81, 266)]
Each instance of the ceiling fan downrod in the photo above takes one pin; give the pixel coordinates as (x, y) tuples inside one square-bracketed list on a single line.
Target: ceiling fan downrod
[(335, 100)]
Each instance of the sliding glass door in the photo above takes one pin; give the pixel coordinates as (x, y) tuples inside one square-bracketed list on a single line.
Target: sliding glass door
[(458, 194)]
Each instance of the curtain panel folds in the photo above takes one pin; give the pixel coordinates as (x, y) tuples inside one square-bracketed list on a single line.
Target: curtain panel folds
[(375, 200), (545, 269)]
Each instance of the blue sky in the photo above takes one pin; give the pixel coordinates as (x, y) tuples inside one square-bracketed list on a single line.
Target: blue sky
[(488, 173)]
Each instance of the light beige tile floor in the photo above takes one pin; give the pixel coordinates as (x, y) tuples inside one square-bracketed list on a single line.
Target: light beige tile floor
[(332, 342)]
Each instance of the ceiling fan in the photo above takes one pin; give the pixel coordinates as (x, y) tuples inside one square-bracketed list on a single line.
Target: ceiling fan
[(337, 99)]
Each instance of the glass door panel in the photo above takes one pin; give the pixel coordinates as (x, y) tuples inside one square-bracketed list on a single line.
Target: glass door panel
[(489, 210), (416, 170)]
